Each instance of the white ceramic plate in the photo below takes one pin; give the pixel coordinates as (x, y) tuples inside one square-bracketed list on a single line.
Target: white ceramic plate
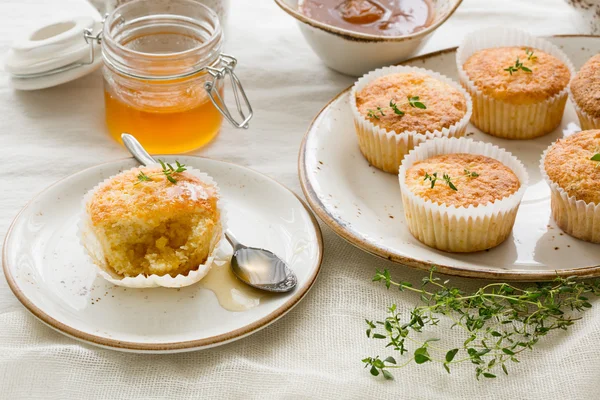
[(363, 204), (47, 270)]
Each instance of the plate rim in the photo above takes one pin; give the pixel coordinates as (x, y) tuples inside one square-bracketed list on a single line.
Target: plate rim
[(341, 230), (188, 345)]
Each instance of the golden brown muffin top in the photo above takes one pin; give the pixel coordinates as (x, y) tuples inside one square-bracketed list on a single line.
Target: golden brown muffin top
[(445, 104), (548, 76), (477, 179), (126, 197), (585, 87), (568, 164)]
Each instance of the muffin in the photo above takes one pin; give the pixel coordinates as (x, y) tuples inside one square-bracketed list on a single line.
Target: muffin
[(571, 167), (459, 195), (144, 227), (396, 108), (585, 94), (518, 82)]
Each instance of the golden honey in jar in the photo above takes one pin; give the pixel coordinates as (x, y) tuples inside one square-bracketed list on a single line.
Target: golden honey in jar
[(163, 63)]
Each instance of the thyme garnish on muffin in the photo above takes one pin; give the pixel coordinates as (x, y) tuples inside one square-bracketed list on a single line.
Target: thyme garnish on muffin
[(433, 178), (449, 182), (518, 66), (413, 101), (373, 114), (499, 322), (471, 174), (530, 55), (167, 169), (595, 157), (395, 108)]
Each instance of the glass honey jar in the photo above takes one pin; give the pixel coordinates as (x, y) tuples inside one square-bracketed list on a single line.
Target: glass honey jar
[(164, 75)]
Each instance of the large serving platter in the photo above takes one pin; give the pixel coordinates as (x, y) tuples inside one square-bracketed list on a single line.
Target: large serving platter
[(363, 204), (49, 273)]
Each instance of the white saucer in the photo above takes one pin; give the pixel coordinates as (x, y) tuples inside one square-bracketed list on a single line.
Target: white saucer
[(363, 204), (47, 270)]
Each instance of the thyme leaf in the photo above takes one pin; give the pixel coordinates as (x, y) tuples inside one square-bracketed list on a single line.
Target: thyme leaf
[(142, 177), (434, 177), (167, 169), (413, 101), (394, 107), (471, 174), (373, 114), (518, 66)]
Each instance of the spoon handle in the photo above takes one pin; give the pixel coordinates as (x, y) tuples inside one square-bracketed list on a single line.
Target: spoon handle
[(232, 241), (136, 149)]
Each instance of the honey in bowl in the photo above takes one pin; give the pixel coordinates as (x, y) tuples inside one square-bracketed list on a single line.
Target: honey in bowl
[(373, 17)]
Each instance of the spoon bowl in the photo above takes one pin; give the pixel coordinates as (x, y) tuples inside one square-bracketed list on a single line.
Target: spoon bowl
[(260, 268)]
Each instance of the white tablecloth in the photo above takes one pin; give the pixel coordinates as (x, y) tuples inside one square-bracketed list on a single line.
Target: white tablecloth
[(315, 351)]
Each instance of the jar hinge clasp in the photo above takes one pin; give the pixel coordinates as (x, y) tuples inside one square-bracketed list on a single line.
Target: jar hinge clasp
[(229, 63)]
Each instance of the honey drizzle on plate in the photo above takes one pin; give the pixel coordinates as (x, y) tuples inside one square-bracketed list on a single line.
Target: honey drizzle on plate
[(232, 294)]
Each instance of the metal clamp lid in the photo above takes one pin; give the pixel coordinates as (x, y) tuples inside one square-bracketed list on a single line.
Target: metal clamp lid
[(54, 53)]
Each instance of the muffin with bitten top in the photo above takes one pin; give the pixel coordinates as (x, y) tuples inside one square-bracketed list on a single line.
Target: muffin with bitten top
[(156, 225), (571, 167), (460, 195), (396, 108)]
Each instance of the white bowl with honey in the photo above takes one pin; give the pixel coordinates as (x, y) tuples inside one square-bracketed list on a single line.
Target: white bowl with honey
[(357, 36)]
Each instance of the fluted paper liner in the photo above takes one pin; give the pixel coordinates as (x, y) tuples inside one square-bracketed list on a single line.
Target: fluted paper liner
[(95, 252), (586, 121), (502, 119), (461, 229), (385, 149), (575, 217)]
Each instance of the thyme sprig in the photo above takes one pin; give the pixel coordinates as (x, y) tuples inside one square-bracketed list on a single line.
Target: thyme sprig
[(373, 114), (142, 177), (530, 55), (167, 169), (499, 321), (412, 101), (448, 181), (394, 107), (471, 174), (518, 66), (434, 177), (595, 157)]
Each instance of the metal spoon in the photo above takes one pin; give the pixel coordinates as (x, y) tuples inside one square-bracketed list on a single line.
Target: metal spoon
[(255, 267)]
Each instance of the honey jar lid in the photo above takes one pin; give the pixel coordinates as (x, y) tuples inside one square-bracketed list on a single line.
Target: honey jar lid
[(56, 53)]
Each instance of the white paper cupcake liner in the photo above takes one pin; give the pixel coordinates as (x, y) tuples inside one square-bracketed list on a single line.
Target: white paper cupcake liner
[(586, 121), (385, 149), (94, 250), (461, 229), (499, 118), (575, 217)]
